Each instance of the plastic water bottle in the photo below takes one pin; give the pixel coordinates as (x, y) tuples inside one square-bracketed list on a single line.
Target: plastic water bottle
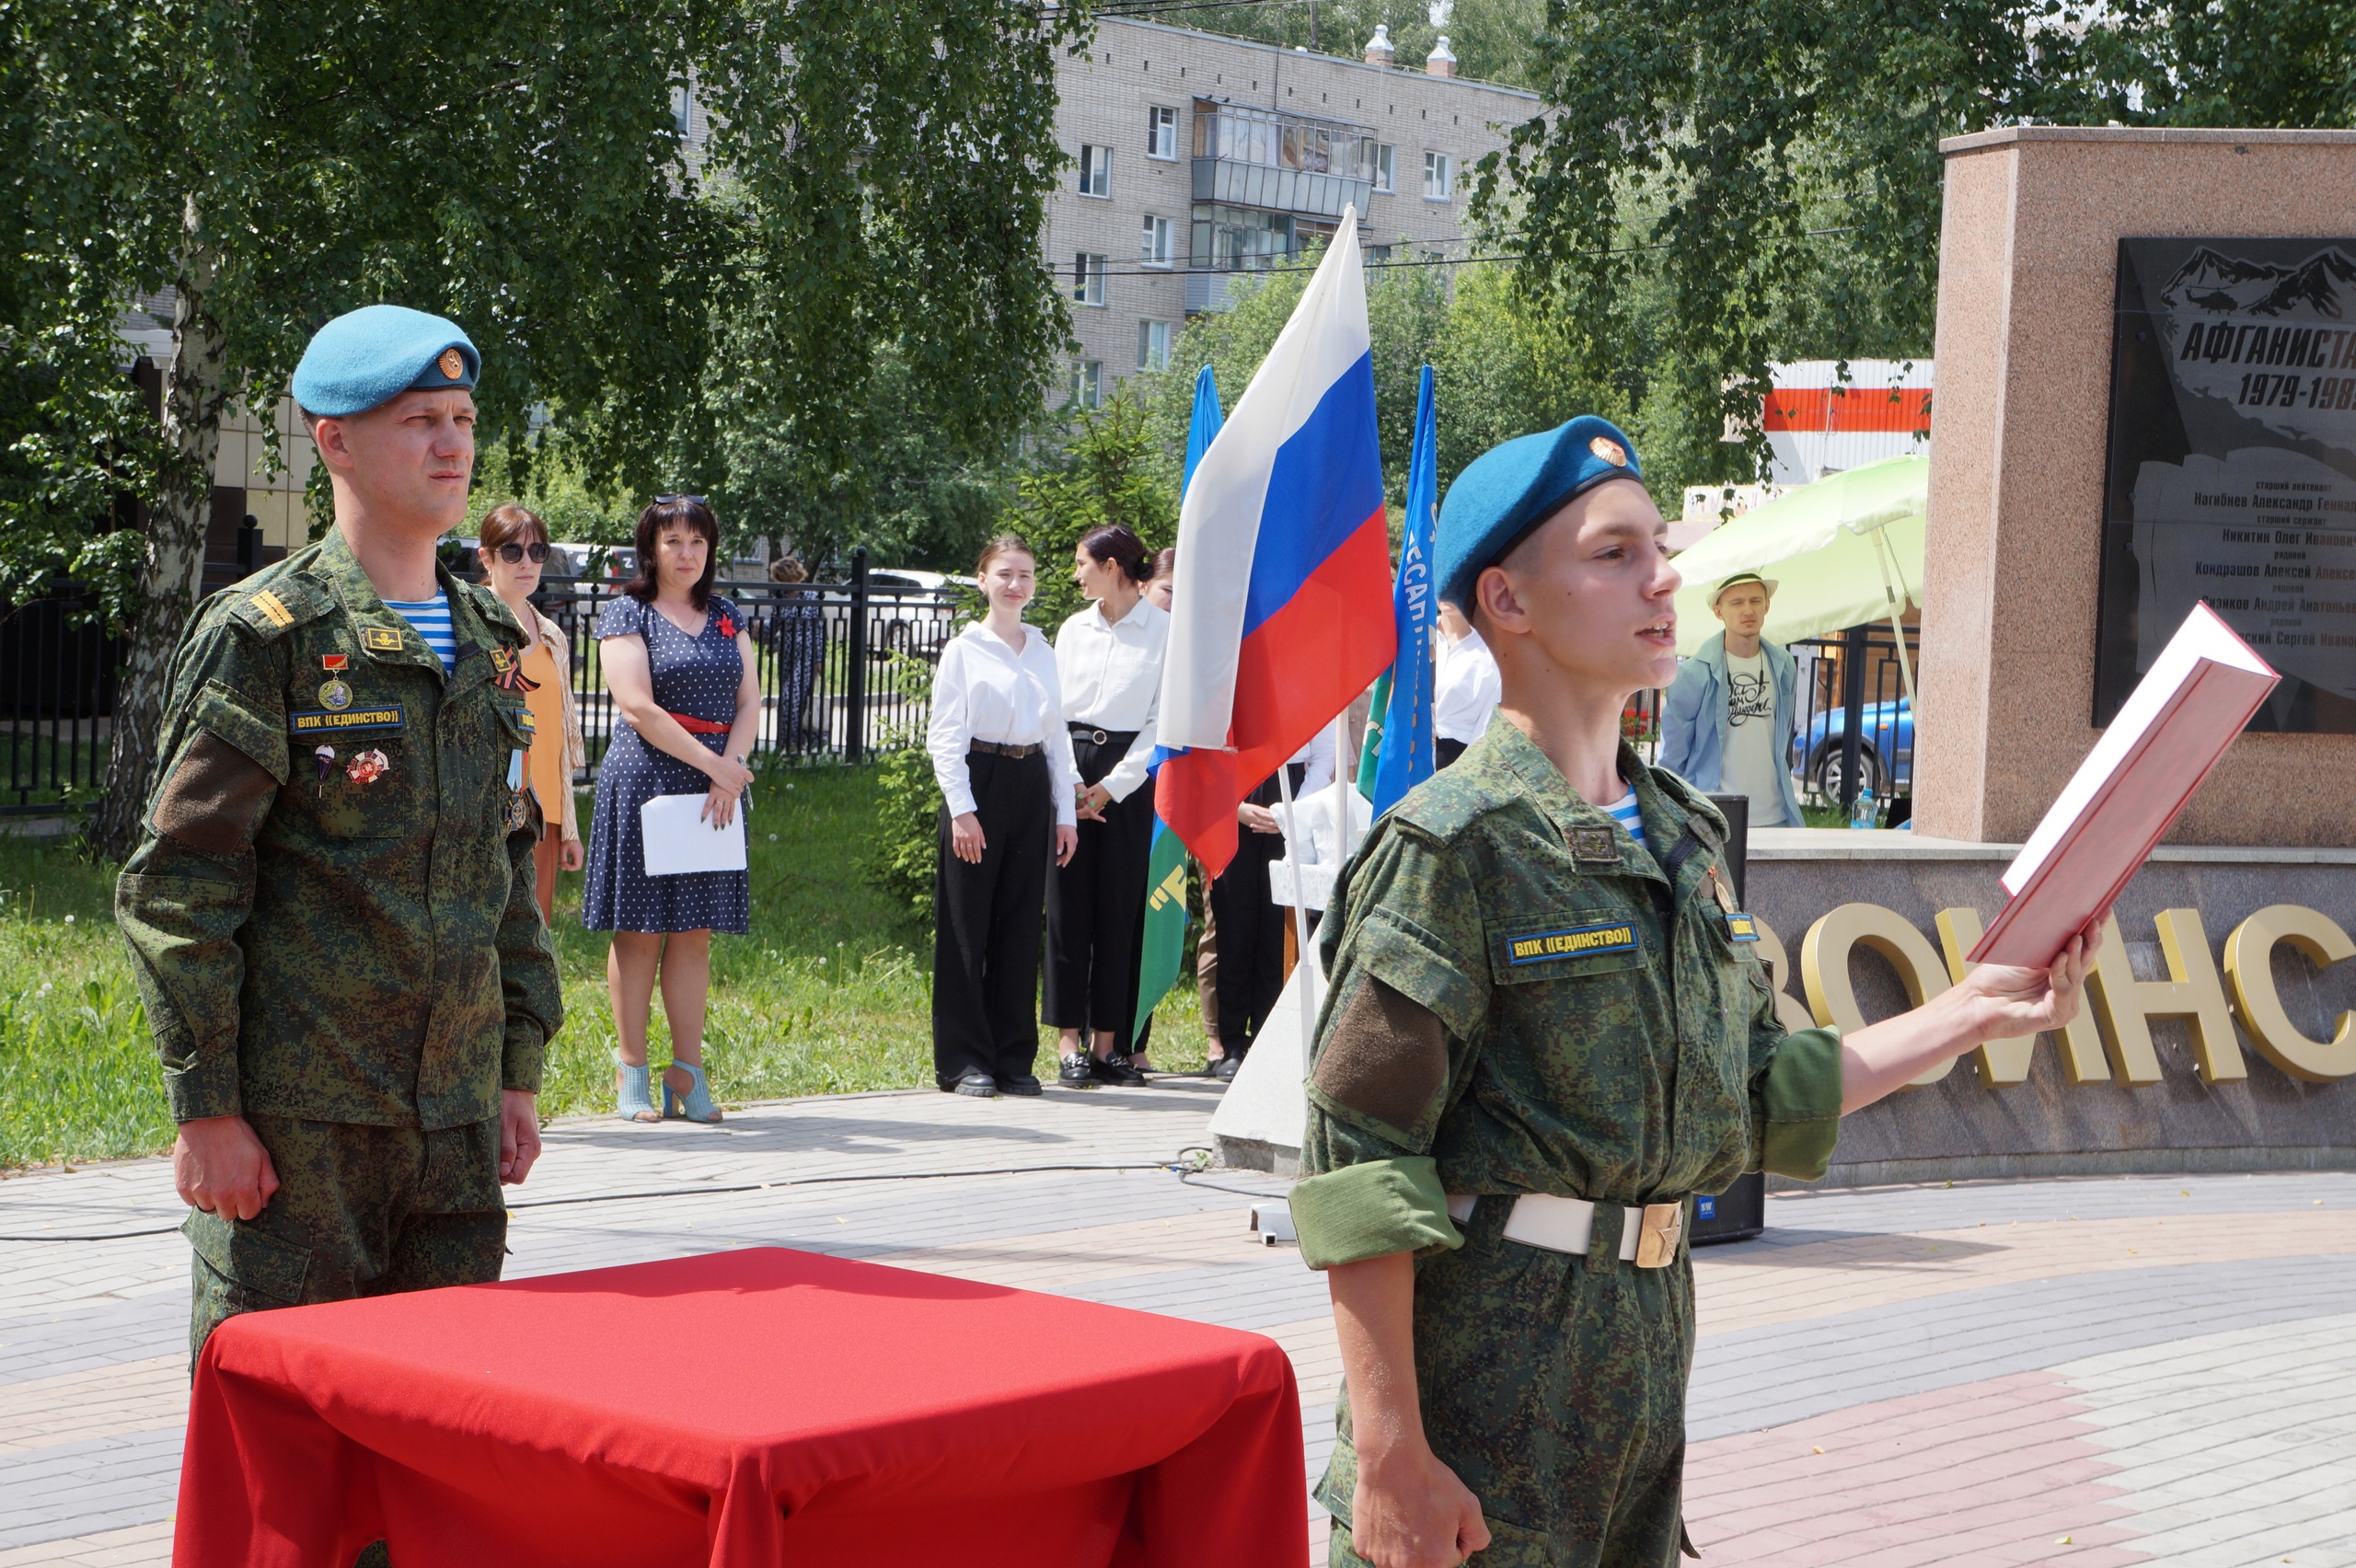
[(1862, 812)]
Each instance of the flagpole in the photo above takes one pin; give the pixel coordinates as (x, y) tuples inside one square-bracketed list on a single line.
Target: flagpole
[(1307, 961)]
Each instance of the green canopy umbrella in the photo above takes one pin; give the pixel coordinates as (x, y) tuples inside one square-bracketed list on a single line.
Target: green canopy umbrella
[(1843, 551)]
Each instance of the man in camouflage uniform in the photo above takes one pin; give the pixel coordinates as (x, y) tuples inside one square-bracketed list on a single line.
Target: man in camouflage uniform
[(330, 911), (1547, 1030)]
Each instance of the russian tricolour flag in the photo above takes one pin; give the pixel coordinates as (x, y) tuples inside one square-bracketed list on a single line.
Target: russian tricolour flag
[(1281, 611)]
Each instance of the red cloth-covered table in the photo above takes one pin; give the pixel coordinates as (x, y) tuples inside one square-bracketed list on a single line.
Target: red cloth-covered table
[(759, 1407)]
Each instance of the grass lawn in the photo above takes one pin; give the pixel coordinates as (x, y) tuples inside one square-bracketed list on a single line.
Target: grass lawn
[(829, 994)]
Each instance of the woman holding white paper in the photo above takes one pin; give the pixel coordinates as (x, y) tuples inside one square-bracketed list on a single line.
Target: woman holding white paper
[(680, 664)]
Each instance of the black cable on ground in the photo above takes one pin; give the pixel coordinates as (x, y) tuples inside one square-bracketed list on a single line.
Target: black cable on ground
[(1181, 1167)]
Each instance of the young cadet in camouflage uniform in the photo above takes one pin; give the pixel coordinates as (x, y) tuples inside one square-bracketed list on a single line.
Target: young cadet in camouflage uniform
[(1544, 1034), (330, 911)]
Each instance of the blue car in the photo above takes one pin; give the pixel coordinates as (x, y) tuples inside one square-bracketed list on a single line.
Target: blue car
[(1885, 750)]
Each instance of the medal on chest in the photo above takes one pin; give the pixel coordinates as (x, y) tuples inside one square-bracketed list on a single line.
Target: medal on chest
[(1740, 928), (519, 813), (366, 767)]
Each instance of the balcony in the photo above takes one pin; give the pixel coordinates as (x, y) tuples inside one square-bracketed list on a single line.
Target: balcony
[(1255, 158), (1233, 184)]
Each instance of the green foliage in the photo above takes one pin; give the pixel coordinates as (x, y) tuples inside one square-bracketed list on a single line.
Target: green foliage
[(898, 851), (1718, 186), (1407, 312), (1499, 372), (872, 176), (902, 848), (574, 510), (908, 490), (1111, 470)]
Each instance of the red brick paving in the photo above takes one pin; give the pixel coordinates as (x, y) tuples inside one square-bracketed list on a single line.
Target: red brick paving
[(1985, 1475)]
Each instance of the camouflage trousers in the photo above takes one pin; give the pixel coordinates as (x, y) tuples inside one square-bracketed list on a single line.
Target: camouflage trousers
[(359, 1211), (1555, 1387)]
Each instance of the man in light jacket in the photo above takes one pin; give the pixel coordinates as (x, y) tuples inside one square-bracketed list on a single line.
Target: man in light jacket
[(1726, 726)]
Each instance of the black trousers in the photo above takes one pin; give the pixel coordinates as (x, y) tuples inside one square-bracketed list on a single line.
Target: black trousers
[(1445, 752), (1096, 904), (1249, 971), (986, 923)]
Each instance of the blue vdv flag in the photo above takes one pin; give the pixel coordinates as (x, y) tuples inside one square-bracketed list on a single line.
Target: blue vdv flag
[(1164, 946), (1407, 737)]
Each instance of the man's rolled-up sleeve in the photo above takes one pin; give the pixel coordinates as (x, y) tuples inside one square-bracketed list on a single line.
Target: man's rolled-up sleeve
[(1408, 991), (188, 888), (1794, 1095)]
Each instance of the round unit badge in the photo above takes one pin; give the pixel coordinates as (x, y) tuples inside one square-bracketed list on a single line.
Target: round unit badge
[(1610, 451), (335, 696), (453, 363)]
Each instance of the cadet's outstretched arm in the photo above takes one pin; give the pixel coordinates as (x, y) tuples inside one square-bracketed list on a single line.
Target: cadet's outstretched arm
[(1408, 1510), (1991, 1001)]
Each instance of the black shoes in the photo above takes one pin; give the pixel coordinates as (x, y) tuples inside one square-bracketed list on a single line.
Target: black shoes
[(1020, 1083), (1076, 1071), (1117, 1069), (1225, 1068), (978, 1084)]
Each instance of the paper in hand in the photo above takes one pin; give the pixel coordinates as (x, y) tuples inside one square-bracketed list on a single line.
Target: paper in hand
[(679, 838)]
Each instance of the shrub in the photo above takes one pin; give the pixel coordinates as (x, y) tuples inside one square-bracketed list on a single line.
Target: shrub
[(899, 855)]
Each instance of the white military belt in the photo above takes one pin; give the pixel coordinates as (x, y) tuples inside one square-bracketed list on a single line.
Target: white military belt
[(1648, 1235)]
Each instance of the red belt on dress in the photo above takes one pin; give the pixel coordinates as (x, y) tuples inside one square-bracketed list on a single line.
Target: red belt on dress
[(699, 726)]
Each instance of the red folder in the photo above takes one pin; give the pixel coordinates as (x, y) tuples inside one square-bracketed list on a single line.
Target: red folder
[(2184, 713)]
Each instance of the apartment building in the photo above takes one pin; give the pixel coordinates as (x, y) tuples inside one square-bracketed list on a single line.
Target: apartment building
[(1197, 158)]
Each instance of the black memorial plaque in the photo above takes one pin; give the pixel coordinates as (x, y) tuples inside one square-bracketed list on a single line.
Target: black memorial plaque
[(2232, 472)]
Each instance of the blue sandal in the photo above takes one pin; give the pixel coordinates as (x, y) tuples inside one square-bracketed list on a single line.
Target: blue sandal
[(631, 1101), (695, 1103)]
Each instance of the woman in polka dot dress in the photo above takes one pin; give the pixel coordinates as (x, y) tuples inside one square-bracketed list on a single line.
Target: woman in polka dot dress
[(680, 664)]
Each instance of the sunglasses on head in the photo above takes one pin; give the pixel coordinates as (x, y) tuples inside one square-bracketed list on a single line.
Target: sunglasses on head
[(672, 500), (511, 554)]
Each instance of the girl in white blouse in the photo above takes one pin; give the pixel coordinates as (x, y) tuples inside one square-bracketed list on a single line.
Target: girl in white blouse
[(1003, 759), (1109, 657)]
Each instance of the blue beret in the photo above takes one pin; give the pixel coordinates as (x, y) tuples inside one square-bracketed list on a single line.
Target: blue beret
[(374, 353), (1509, 490)]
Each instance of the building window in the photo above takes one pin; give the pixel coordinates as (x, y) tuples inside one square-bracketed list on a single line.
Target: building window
[(682, 113), (1088, 272), (1440, 177), (1378, 254), (1378, 159), (1095, 171), (1155, 240), (1153, 345), (1088, 383), (1160, 132)]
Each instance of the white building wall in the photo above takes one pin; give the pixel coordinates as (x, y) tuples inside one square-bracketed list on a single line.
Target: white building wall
[(1106, 91)]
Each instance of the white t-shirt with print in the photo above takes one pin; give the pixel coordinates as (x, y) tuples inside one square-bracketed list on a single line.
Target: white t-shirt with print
[(1750, 764)]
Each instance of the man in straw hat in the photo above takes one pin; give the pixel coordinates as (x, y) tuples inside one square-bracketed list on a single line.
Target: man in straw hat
[(1726, 725)]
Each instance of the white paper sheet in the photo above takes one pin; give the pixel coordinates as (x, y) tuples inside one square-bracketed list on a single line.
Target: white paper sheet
[(678, 839)]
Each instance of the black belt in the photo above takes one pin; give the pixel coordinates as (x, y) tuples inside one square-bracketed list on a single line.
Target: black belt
[(1102, 737), (995, 749)]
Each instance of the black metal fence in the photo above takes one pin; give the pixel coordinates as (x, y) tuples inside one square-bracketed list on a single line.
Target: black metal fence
[(58, 671), (1856, 728), (845, 670)]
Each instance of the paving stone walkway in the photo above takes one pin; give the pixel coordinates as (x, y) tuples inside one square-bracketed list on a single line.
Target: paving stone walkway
[(2090, 1372)]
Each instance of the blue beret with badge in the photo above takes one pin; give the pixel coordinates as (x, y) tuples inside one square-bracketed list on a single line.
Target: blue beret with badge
[(1509, 490), (374, 354)]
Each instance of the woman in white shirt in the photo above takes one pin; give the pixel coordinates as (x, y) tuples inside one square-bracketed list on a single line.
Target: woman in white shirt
[(1466, 686), (1109, 659), (1008, 787)]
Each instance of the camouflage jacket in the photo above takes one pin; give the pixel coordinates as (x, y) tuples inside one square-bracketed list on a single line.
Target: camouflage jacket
[(315, 936), (1599, 1034)]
